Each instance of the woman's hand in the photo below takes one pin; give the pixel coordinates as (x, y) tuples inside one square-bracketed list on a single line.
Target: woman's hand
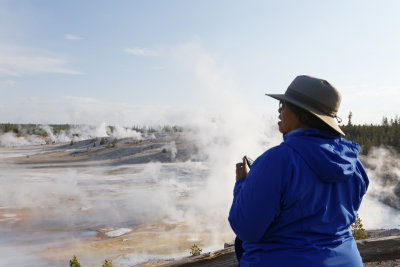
[(241, 169)]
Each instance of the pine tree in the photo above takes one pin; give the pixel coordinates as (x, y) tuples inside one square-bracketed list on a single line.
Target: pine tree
[(349, 123), (358, 230), (108, 263), (114, 142), (195, 250), (102, 141), (74, 262)]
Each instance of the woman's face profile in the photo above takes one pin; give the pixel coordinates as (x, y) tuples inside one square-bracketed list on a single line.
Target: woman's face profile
[(288, 120)]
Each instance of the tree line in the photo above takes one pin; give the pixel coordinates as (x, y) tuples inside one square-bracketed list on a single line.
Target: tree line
[(32, 128), (35, 129), (386, 134)]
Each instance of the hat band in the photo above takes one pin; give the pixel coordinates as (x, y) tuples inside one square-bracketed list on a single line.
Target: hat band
[(311, 102)]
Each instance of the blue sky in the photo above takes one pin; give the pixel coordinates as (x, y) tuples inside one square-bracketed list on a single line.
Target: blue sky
[(134, 62)]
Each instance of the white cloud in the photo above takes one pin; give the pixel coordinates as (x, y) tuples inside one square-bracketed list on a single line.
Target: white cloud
[(84, 110), (72, 37), (18, 61), (7, 72), (369, 103), (141, 51), (7, 84), (355, 86), (387, 91), (369, 90)]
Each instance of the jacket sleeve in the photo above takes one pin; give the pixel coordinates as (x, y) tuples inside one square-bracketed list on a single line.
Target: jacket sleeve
[(257, 198)]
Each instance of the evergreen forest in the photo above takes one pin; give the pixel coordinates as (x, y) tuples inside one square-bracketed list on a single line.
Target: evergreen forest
[(386, 134)]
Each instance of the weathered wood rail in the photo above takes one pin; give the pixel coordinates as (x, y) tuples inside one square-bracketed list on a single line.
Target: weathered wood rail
[(379, 249), (371, 250)]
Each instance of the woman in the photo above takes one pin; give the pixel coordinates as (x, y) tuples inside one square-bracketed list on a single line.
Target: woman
[(296, 204)]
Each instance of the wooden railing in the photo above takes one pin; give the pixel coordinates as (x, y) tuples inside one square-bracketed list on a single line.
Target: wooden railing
[(371, 250)]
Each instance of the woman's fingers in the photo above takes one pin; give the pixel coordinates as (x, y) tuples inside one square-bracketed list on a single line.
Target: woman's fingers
[(241, 169)]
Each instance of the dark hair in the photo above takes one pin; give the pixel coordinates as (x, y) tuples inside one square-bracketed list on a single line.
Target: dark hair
[(310, 120)]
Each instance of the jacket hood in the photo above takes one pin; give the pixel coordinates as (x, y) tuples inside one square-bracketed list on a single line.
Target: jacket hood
[(333, 159)]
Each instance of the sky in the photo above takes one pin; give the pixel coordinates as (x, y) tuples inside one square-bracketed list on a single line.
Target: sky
[(159, 62)]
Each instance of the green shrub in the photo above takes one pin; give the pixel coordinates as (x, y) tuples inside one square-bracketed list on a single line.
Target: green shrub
[(167, 129), (177, 129), (108, 263), (195, 250), (151, 130), (102, 141), (358, 230), (74, 262), (164, 150)]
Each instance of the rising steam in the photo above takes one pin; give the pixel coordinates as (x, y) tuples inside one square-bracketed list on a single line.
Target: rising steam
[(198, 192), (381, 205)]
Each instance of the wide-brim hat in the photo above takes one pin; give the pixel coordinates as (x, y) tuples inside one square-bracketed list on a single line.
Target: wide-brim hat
[(316, 96)]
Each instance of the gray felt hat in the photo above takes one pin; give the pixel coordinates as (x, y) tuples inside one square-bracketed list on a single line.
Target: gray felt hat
[(315, 95)]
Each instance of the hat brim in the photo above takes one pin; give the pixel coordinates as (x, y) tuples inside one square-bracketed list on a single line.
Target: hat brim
[(330, 121)]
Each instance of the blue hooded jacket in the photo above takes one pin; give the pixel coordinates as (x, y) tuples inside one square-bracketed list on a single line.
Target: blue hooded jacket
[(296, 204)]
